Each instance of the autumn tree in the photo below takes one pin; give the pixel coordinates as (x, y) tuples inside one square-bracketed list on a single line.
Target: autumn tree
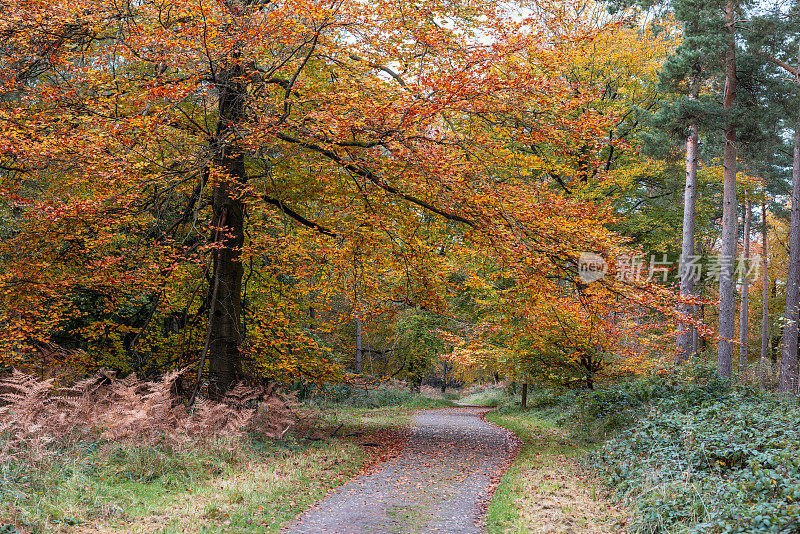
[(222, 166)]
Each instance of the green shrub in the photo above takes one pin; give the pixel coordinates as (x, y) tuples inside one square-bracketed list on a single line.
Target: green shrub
[(689, 451), (707, 459), (596, 415), (372, 397), (489, 397)]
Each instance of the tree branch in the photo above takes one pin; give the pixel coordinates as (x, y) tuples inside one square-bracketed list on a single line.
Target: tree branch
[(387, 70), (296, 216), (778, 62), (369, 175)]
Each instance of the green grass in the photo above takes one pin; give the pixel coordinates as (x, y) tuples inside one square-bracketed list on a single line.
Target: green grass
[(540, 442), (240, 485), (209, 487), (487, 397), (546, 485), (263, 497), (384, 395)]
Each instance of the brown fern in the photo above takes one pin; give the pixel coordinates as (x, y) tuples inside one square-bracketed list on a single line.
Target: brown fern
[(34, 413)]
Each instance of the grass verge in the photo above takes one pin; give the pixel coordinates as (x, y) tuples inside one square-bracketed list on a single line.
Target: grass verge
[(486, 397), (236, 485), (546, 489), (261, 497), (213, 487)]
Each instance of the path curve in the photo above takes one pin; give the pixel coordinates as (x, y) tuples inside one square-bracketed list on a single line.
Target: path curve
[(439, 482)]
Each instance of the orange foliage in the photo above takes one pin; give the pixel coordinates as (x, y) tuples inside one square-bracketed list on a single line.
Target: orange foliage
[(387, 146)]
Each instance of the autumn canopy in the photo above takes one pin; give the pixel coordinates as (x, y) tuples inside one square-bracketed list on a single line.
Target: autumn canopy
[(228, 184)]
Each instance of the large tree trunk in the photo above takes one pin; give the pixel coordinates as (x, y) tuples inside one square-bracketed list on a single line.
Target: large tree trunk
[(745, 284), (764, 294), (226, 294), (788, 376), (686, 337), (727, 300)]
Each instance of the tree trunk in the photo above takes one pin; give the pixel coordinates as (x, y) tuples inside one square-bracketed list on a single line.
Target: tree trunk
[(788, 376), (524, 394), (727, 300), (764, 294), (686, 337), (745, 283), (225, 365), (359, 347)]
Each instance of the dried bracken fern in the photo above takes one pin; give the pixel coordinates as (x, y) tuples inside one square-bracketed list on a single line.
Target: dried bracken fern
[(34, 413), (275, 415), (26, 413)]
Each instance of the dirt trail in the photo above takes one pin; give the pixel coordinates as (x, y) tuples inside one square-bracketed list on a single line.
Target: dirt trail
[(439, 483)]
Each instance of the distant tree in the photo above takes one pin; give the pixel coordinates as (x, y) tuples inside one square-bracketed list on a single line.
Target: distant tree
[(419, 344)]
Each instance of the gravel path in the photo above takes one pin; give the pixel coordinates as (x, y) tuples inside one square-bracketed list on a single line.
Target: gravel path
[(438, 483)]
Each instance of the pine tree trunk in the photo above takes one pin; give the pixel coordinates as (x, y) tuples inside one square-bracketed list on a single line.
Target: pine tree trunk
[(764, 294), (686, 337), (788, 375), (727, 300), (745, 284), (225, 335)]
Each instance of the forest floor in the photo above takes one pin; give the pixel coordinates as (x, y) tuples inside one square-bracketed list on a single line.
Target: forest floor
[(440, 482), (547, 489), (456, 465), (404, 468), (268, 490)]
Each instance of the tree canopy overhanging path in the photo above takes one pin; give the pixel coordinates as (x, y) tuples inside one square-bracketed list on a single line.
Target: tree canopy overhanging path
[(438, 483)]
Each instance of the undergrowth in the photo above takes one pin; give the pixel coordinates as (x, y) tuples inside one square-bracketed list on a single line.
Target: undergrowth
[(377, 396), (109, 453), (688, 451), (710, 461), (493, 396)]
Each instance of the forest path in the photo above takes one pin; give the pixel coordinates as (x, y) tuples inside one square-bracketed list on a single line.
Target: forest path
[(440, 482)]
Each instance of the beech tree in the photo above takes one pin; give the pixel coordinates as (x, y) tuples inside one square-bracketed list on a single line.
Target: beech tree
[(222, 166)]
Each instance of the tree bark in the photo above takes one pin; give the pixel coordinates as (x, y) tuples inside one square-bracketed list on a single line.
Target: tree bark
[(788, 376), (727, 300), (744, 307), (225, 335), (359, 346), (764, 294), (686, 337), (524, 394)]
